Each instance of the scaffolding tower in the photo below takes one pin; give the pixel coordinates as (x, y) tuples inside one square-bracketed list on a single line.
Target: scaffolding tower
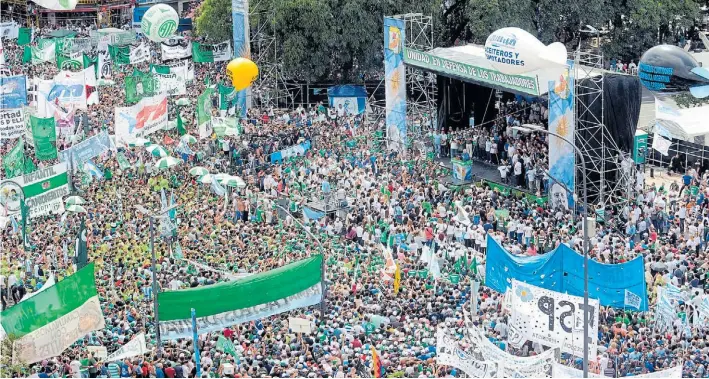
[(608, 175), (421, 86), (270, 89)]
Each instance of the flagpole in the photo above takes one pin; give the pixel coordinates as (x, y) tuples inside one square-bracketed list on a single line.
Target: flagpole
[(196, 344)]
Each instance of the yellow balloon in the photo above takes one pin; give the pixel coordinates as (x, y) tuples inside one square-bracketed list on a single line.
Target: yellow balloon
[(242, 72)]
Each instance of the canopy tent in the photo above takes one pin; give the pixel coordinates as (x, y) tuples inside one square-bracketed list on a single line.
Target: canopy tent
[(61, 33), (468, 63), (352, 98), (682, 123)]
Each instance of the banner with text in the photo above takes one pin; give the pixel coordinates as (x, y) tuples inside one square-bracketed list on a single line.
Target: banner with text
[(140, 120), (12, 123)]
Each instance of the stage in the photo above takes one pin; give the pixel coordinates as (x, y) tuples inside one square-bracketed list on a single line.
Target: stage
[(480, 170)]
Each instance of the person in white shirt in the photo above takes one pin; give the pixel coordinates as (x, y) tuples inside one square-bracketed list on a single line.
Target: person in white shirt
[(518, 174)]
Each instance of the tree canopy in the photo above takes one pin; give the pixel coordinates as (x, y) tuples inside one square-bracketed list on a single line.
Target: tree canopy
[(342, 40)]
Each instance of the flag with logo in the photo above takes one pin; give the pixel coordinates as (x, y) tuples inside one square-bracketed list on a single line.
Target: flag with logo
[(48, 323), (91, 84), (139, 85), (661, 144), (104, 64), (226, 346), (632, 300), (176, 48), (14, 161), (204, 113), (89, 61), (25, 36), (123, 162), (129, 54), (45, 137), (70, 61), (135, 347), (203, 53), (38, 55), (227, 98), (293, 286), (147, 116)]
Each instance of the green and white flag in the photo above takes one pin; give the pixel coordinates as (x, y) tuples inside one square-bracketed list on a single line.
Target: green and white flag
[(123, 162), (45, 137), (139, 85), (37, 55), (25, 36), (135, 347), (292, 286), (57, 5), (227, 98), (204, 113), (44, 189), (211, 53), (70, 62), (88, 62), (129, 54), (48, 323), (14, 160), (226, 346)]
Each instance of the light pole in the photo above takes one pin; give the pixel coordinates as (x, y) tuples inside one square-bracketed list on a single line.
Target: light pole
[(151, 216), (528, 128)]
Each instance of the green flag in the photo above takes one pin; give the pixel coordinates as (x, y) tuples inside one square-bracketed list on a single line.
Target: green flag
[(204, 107), (180, 124), (29, 166), (88, 61), (37, 55), (81, 256), (474, 266), (202, 53), (24, 37), (70, 62), (226, 346), (45, 137), (159, 69), (119, 54), (14, 160), (139, 85), (227, 97), (122, 161)]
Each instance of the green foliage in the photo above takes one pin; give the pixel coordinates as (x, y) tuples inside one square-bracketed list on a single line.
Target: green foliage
[(7, 366), (213, 20), (686, 100)]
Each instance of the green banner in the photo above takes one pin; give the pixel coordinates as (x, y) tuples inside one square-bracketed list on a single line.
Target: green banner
[(202, 53), (24, 37), (158, 69), (88, 62), (45, 137), (119, 54), (435, 63), (70, 62), (14, 161), (139, 85), (122, 161), (504, 190)]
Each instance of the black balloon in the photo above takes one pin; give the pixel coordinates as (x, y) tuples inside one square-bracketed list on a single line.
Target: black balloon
[(670, 69)]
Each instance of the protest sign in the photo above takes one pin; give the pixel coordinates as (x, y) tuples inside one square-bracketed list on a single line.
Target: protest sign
[(140, 120), (12, 123)]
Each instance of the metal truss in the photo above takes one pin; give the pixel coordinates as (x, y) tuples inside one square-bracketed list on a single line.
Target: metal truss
[(270, 89), (609, 179)]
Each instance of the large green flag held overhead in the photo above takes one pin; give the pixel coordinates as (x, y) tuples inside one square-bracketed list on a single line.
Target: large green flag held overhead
[(88, 61), (24, 37), (139, 85), (51, 321), (227, 97), (202, 53), (70, 61), (37, 55), (204, 112), (45, 137), (129, 54), (292, 286), (14, 160)]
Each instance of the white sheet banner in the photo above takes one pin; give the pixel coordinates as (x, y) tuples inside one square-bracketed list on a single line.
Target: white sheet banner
[(554, 319), (9, 30), (140, 120), (135, 347), (91, 86), (561, 371), (140, 54), (450, 354), (174, 83), (176, 48), (12, 123), (661, 144), (68, 88), (104, 64)]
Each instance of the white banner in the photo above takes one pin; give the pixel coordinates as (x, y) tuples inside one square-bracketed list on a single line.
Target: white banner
[(99, 352), (9, 30), (176, 48), (554, 319), (187, 64), (92, 97), (140, 120), (661, 144), (68, 88), (632, 300), (174, 83), (104, 64), (561, 371), (12, 123), (135, 347), (139, 54), (450, 354)]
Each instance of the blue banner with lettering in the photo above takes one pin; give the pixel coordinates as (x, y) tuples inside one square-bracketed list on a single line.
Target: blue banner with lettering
[(85, 150), (13, 91), (562, 271)]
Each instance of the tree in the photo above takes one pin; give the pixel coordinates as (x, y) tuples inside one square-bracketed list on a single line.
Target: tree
[(7, 366), (213, 20)]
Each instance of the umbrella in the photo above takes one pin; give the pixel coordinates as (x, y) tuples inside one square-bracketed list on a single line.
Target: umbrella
[(172, 124), (74, 200), (76, 208), (221, 176), (183, 101), (106, 82), (189, 138), (167, 162), (234, 181), (157, 151), (198, 171), (206, 179), (139, 142)]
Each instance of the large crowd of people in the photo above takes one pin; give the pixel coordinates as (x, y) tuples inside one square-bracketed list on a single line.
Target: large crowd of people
[(393, 201)]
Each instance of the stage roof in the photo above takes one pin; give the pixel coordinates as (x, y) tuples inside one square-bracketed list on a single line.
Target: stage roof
[(468, 63)]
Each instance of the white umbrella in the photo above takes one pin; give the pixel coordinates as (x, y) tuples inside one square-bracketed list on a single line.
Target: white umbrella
[(221, 176), (206, 179), (167, 162), (76, 208), (157, 151), (183, 101), (198, 171), (234, 181), (188, 138), (74, 200), (139, 141)]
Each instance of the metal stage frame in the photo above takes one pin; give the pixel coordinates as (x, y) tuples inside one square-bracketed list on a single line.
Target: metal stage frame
[(270, 89), (603, 156)]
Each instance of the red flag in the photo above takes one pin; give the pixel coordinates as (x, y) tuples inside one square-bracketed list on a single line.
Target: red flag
[(376, 363), (167, 140)]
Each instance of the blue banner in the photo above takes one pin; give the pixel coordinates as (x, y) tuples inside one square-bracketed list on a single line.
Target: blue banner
[(462, 171), (240, 30), (562, 271), (86, 150), (395, 80), (562, 157), (293, 151), (13, 92)]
